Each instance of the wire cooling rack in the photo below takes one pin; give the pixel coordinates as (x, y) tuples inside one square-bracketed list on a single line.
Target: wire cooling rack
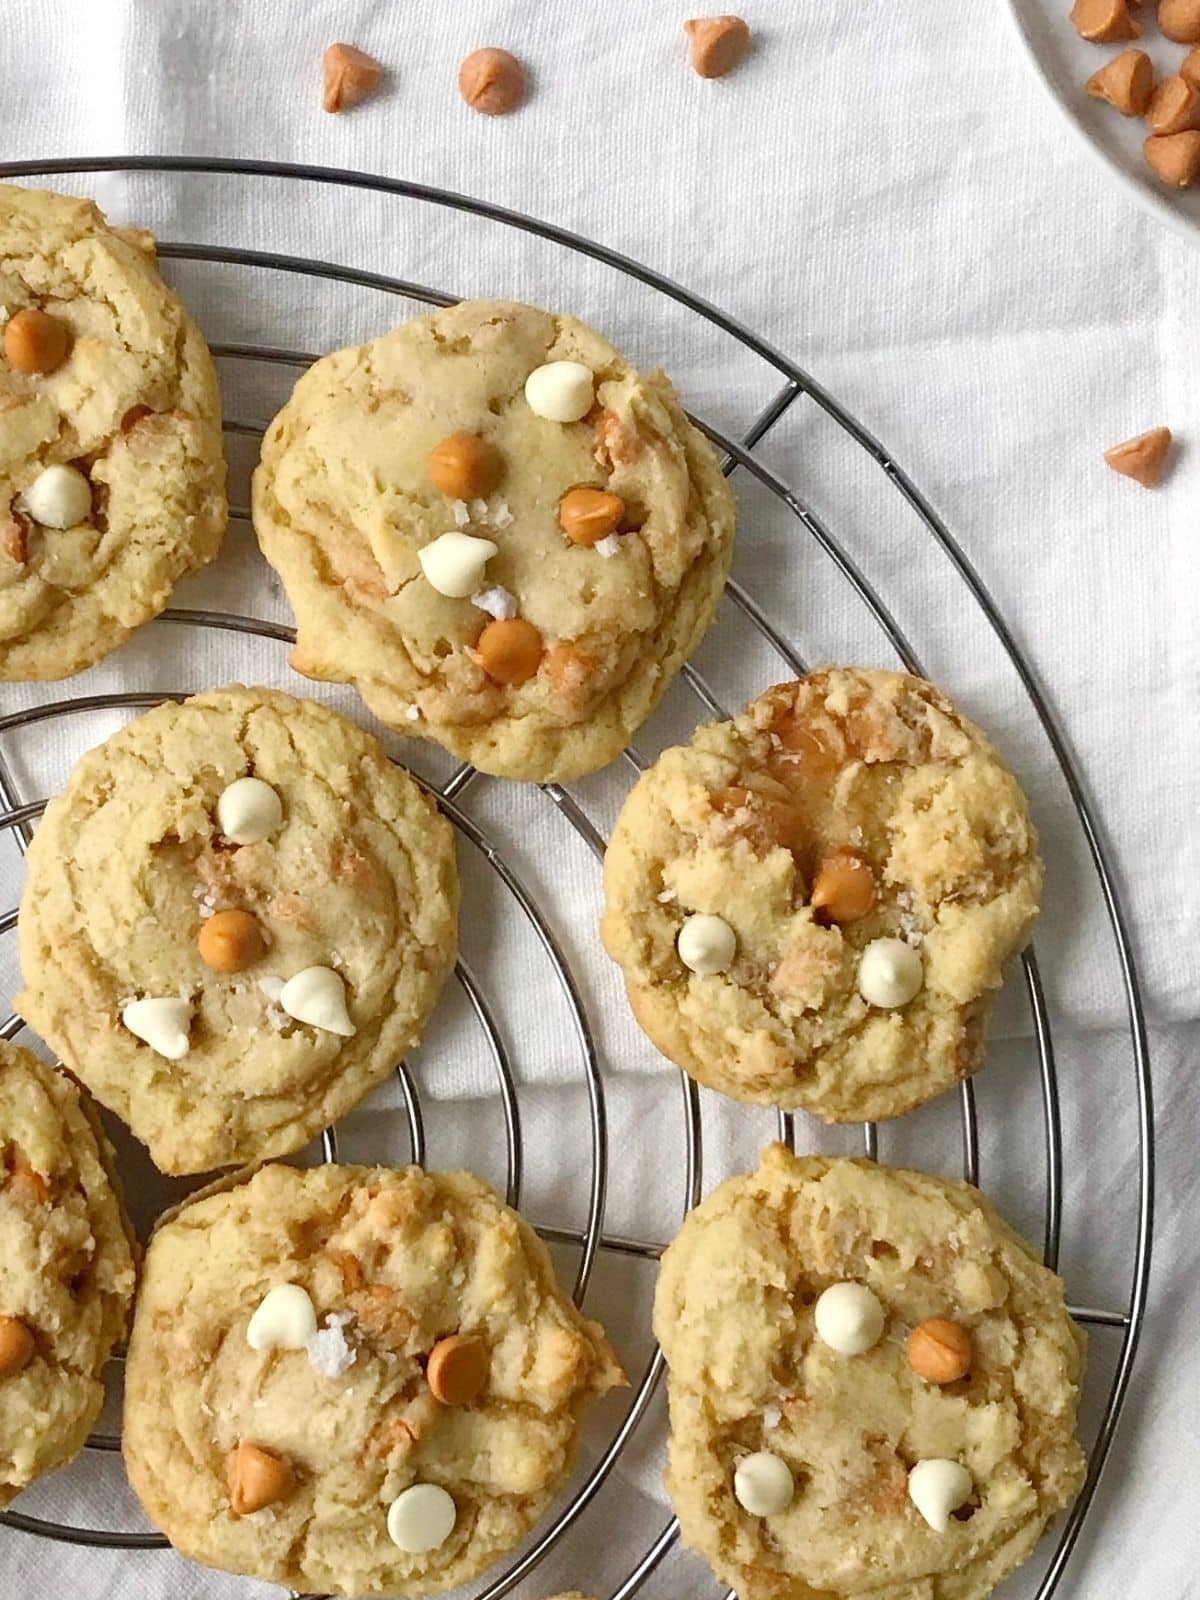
[(594, 1240)]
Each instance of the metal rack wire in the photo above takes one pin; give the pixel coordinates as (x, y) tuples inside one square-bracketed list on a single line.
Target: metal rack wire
[(18, 815)]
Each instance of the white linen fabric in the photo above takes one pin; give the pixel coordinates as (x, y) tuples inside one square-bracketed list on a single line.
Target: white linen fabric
[(885, 195)]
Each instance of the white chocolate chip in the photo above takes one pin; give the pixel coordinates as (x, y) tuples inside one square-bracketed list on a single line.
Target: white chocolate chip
[(560, 391), (59, 497), (318, 996), (271, 986), (162, 1023), (285, 1320), (889, 974), (937, 1488), (249, 810), (496, 602), (706, 944), (762, 1484), (848, 1318), (329, 1351), (421, 1518), (454, 564), (608, 546)]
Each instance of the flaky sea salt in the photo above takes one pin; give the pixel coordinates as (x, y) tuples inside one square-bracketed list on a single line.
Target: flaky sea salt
[(271, 986), (329, 1351), (665, 896), (502, 517), (479, 510), (413, 714), (772, 1416), (497, 602), (461, 511), (608, 546)]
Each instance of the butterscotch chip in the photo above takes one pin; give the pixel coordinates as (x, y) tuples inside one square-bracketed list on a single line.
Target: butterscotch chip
[(1105, 21), (1143, 458), (350, 1412), (717, 44), (24, 1181), (844, 887), (510, 650), (230, 941), (1190, 70), (36, 343), (464, 466), (1180, 20), (939, 1350), (492, 81), (588, 515), (1174, 107), (350, 76), (458, 1369), (1174, 157), (16, 1346), (1126, 82), (14, 539)]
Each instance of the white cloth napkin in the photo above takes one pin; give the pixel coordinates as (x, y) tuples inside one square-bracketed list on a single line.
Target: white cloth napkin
[(883, 193)]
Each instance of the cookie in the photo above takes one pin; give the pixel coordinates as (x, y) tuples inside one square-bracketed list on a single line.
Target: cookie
[(811, 904), (354, 1379), (821, 1441), (66, 1269), (236, 919), (112, 476), (503, 535)]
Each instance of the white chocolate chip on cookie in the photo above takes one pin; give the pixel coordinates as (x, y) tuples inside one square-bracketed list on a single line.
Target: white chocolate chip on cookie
[(421, 1518), (560, 391), (162, 1023), (706, 944), (937, 1488), (285, 1320), (848, 1318), (59, 497), (248, 811), (317, 996), (890, 974), (454, 564), (763, 1484)]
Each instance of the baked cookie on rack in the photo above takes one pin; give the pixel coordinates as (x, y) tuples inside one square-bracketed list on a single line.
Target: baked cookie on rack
[(363, 1380), (236, 919), (66, 1269), (503, 535), (873, 1384), (812, 904), (112, 474)]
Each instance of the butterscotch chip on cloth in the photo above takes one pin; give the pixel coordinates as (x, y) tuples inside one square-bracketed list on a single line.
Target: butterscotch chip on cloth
[(394, 581), (797, 1470), (225, 1048), (112, 476), (376, 1484), (812, 904), (66, 1268)]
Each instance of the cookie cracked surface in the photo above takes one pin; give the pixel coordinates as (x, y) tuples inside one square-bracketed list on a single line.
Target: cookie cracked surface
[(129, 863), (134, 406), (399, 1260), (66, 1268), (748, 1373), (876, 768), (344, 501)]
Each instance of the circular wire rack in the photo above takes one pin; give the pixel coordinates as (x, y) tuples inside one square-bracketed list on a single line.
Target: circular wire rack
[(594, 1239)]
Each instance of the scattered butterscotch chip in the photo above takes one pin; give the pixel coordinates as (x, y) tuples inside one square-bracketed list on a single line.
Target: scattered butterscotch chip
[(1105, 21), (492, 81), (14, 539), (230, 941), (1143, 458), (1180, 20), (1190, 70), (350, 76), (939, 1350), (1126, 82), (510, 650), (16, 1346), (458, 1369), (588, 515), (133, 416), (256, 1478), (718, 44), (464, 467), (843, 889), (1174, 107), (24, 1181), (36, 343), (1174, 157)]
